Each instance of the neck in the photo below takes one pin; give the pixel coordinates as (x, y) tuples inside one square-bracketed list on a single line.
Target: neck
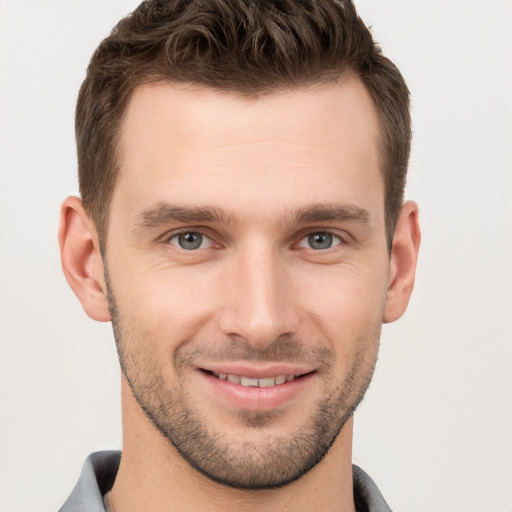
[(154, 476)]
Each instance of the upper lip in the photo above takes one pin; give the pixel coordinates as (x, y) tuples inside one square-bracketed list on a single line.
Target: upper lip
[(257, 371)]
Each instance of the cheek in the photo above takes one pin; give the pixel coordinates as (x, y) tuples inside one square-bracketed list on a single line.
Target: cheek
[(346, 305), (169, 305), (165, 303)]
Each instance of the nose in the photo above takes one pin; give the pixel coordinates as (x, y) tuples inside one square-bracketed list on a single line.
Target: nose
[(258, 300)]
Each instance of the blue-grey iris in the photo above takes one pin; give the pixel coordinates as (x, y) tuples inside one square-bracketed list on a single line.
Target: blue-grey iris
[(320, 240), (190, 240)]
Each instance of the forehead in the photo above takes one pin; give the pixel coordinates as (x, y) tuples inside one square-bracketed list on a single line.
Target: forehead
[(190, 144)]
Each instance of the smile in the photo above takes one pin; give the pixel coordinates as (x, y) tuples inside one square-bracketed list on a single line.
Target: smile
[(246, 387), (264, 382)]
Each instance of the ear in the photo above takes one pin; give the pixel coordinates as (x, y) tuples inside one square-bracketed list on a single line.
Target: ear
[(402, 268), (81, 259)]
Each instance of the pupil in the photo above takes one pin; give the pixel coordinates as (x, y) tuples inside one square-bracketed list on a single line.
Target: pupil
[(320, 240), (190, 240)]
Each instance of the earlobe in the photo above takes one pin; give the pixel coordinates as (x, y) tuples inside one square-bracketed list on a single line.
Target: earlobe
[(404, 256), (81, 259)]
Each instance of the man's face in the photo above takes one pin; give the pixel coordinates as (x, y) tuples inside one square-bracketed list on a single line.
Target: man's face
[(248, 269)]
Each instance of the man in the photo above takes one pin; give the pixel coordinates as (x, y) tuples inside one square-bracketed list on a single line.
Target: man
[(242, 224)]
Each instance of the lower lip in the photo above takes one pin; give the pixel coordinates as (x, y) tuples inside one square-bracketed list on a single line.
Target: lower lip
[(257, 399)]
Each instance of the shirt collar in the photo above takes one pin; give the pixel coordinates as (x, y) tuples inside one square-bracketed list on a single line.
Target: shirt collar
[(100, 469)]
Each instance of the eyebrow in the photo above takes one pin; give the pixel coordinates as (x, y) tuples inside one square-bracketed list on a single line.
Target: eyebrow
[(337, 213), (165, 213)]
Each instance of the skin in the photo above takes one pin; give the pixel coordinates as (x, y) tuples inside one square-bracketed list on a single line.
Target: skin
[(255, 294)]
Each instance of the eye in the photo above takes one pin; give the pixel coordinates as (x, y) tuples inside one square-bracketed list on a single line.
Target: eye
[(320, 241), (190, 240)]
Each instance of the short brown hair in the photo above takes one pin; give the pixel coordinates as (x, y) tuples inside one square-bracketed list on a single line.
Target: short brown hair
[(248, 47)]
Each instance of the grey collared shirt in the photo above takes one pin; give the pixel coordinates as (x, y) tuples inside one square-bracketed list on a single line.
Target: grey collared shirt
[(100, 469)]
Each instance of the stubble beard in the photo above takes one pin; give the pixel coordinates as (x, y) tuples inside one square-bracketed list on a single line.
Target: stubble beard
[(250, 465)]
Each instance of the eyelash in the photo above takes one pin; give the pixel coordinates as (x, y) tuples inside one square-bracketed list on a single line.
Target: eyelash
[(168, 239), (335, 238)]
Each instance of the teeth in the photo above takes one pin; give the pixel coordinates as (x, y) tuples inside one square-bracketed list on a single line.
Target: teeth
[(265, 382), (280, 379), (246, 381)]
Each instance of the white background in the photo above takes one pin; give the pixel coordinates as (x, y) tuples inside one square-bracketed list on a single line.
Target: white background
[(435, 428)]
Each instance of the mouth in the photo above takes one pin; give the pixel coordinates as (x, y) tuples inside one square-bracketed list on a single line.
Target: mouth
[(256, 388), (255, 382)]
